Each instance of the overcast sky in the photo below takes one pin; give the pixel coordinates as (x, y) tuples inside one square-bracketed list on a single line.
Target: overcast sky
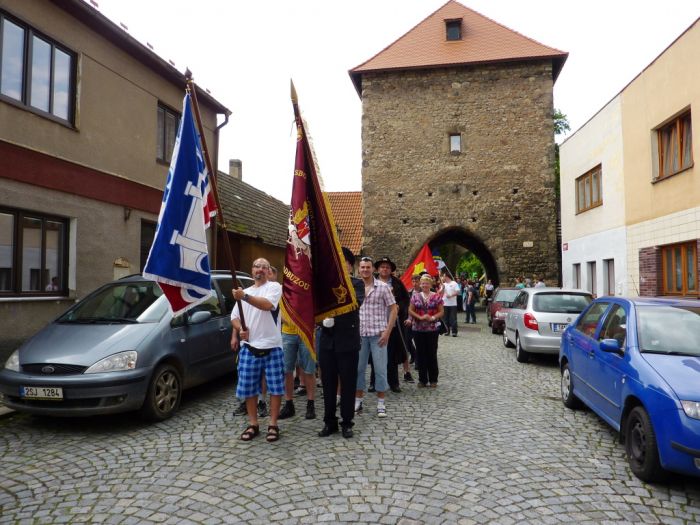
[(246, 51)]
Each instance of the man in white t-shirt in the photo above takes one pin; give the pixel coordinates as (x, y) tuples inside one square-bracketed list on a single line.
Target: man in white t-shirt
[(260, 346), (450, 291)]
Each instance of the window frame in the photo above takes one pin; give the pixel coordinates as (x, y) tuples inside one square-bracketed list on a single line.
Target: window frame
[(24, 101), (576, 274), (677, 123), (588, 189), (609, 284), (16, 257), (451, 24), (592, 271), (166, 158), (458, 136), (685, 289)]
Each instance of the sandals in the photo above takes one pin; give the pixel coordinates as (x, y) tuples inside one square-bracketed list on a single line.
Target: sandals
[(250, 432), (273, 433)]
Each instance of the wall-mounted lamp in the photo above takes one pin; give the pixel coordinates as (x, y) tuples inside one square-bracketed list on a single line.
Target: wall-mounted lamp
[(127, 213)]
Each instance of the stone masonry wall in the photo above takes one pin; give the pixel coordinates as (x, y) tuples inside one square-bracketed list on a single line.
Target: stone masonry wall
[(499, 189)]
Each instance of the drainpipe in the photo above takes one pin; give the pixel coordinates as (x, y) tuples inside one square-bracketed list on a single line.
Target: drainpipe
[(214, 243)]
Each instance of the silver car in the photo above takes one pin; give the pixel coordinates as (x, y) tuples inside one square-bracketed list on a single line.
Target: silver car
[(537, 318), (120, 349)]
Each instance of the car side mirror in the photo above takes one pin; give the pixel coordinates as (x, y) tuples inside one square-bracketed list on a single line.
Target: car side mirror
[(199, 317), (610, 345)]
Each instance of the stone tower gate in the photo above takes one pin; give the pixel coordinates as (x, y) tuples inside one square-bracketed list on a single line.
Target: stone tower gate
[(458, 144)]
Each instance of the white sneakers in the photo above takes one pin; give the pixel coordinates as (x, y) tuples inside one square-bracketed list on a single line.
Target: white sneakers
[(381, 410)]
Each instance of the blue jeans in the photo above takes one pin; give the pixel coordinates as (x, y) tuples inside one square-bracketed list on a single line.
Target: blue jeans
[(370, 343), (471, 313), (296, 353)]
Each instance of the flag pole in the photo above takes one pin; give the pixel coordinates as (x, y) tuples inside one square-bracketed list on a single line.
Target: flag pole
[(215, 191)]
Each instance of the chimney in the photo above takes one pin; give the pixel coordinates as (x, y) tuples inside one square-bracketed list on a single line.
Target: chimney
[(235, 169)]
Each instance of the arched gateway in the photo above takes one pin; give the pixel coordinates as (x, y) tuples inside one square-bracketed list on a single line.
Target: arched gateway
[(458, 144)]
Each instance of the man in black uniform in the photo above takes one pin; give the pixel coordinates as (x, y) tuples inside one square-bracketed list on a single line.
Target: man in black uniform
[(339, 351), (398, 339)]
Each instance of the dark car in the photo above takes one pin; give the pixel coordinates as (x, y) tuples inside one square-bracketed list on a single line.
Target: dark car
[(636, 363), (496, 307), (120, 349)]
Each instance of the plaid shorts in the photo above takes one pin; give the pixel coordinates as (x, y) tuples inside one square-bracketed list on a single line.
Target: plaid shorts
[(250, 369)]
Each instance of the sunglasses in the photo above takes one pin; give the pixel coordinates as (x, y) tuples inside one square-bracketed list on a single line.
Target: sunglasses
[(264, 266), (366, 259)]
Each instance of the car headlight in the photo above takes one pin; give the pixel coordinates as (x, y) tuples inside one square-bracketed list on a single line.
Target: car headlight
[(691, 409), (12, 362), (114, 363)]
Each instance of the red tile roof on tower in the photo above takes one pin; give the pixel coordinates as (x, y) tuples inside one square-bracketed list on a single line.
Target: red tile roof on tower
[(346, 207), (483, 41)]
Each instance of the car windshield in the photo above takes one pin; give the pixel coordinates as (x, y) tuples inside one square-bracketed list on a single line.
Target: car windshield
[(128, 302), (561, 302), (669, 329), (506, 296)]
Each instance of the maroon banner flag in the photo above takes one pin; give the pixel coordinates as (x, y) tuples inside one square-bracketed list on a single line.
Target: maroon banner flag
[(316, 283)]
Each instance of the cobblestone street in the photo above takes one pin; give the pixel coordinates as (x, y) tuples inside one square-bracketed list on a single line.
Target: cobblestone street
[(493, 443)]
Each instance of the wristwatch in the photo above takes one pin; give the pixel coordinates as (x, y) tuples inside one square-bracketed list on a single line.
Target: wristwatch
[(246, 297)]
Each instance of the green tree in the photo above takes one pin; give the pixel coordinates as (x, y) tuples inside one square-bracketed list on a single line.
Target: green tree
[(470, 266), (561, 126)]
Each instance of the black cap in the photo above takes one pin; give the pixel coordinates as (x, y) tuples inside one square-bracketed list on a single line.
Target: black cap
[(384, 260), (349, 256)]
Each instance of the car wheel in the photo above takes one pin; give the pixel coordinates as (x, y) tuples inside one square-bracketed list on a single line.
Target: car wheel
[(521, 356), (506, 342), (567, 388), (163, 395), (640, 446)]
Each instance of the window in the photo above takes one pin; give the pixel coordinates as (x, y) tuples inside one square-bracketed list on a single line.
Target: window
[(453, 29), (455, 143), (168, 122), (675, 146), (588, 322), (615, 326), (148, 233), (33, 254), (592, 281), (680, 269), (35, 71), (576, 274), (609, 265), (588, 191)]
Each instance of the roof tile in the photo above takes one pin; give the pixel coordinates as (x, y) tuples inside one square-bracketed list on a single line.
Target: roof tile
[(346, 207)]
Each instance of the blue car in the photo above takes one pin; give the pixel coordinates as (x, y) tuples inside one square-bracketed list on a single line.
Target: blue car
[(636, 363)]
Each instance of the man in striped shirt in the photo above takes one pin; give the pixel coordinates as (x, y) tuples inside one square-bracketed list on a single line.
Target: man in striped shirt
[(377, 318)]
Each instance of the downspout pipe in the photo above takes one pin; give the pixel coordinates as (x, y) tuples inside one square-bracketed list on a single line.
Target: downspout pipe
[(214, 242)]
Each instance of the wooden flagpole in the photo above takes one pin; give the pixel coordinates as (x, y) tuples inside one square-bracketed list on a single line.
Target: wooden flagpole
[(191, 87)]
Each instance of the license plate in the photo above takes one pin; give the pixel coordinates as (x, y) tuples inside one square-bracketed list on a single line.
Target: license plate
[(559, 327), (40, 392)]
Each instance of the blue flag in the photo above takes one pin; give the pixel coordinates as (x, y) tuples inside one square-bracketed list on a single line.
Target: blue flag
[(179, 257)]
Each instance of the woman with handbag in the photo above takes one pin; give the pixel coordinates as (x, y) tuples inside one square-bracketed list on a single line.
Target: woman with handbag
[(426, 310)]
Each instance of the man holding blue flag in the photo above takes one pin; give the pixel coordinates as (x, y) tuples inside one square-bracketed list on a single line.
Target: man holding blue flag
[(179, 258)]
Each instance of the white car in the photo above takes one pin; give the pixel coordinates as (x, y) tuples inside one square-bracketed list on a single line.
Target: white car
[(537, 318)]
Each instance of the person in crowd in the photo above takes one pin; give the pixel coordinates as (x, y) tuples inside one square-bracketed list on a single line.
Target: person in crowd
[(450, 290), (426, 309), (295, 351), (415, 282), (375, 329), (260, 348), (472, 299), (519, 283), (539, 282), (338, 354), (488, 289), (397, 351)]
